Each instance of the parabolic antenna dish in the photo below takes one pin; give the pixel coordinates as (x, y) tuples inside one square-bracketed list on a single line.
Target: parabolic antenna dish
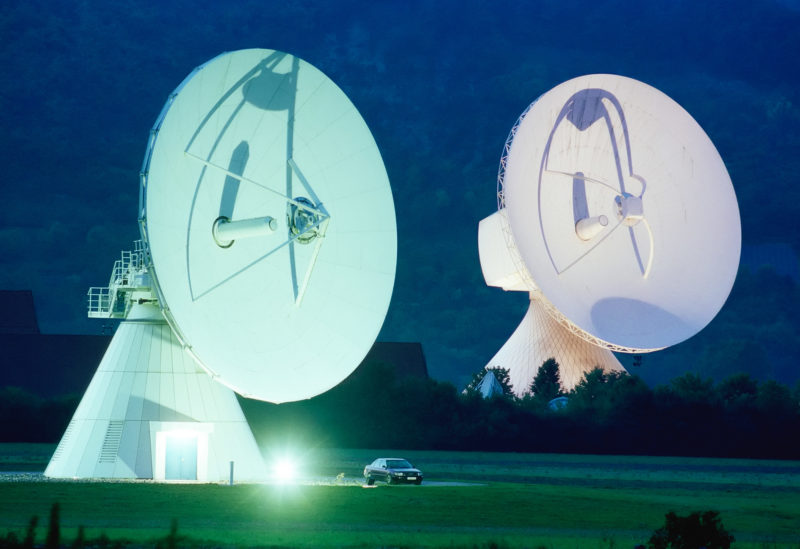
[(622, 212), (270, 222)]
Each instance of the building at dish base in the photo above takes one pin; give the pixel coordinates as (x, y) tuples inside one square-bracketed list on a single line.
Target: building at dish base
[(489, 386), (150, 412), (539, 336)]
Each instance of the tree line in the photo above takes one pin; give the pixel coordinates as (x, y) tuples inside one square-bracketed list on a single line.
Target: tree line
[(606, 413), (611, 413)]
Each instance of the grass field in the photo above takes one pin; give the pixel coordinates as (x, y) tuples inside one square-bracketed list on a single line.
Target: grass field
[(515, 500)]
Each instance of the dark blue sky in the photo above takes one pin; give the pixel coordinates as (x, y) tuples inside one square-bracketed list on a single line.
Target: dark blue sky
[(440, 84)]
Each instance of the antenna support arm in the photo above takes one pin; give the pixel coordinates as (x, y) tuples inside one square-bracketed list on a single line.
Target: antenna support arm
[(226, 231)]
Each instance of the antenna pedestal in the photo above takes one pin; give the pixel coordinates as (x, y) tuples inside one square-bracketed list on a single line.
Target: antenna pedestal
[(151, 413), (540, 337)]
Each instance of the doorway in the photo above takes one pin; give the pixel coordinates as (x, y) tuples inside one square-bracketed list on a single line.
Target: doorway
[(180, 450), (180, 459)]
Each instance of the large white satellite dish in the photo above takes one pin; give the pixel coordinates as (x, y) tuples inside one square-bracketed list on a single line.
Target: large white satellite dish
[(267, 258), (269, 218), (619, 218)]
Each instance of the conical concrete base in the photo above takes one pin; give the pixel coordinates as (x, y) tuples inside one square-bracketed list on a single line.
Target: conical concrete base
[(151, 413), (538, 338)]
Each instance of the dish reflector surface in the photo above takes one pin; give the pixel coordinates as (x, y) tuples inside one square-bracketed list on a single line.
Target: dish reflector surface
[(622, 211), (271, 226)]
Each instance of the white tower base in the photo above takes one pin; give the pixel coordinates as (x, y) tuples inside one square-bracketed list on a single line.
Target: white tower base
[(151, 413), (540, 337)]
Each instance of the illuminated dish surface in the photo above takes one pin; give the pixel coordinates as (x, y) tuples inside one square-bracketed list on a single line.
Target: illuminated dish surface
[(270, 222), (622, 212)]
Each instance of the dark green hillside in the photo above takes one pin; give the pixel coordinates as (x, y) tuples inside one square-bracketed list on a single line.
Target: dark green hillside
[(440, 84)]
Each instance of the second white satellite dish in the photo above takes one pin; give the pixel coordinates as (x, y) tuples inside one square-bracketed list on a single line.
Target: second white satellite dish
[(269, 218), (622, 212)]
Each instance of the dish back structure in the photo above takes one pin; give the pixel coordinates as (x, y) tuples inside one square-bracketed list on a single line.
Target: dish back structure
[(617, 215)]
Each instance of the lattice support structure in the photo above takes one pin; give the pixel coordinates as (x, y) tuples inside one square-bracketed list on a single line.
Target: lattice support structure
[(540, 337)]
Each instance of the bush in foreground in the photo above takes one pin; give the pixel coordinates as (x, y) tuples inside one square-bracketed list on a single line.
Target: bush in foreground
[(695, 531)]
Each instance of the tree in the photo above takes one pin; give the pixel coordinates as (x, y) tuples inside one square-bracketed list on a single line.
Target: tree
[(796, 395), (503, 376), (589, 391), (738, 391), (30, 533), (600, 397), (775, 399), (475, 382), (80, 539), (53, 529), (546, 385), (693, 390)]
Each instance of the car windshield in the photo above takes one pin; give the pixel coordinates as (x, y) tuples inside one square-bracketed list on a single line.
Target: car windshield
[(398, 464)]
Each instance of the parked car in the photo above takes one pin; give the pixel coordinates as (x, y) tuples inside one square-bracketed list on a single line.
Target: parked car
[(392, 471)]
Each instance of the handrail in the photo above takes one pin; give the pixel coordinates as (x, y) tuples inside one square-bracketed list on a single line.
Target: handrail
[(127, 275)]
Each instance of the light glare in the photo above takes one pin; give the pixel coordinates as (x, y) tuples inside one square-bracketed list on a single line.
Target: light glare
[(285, 470)]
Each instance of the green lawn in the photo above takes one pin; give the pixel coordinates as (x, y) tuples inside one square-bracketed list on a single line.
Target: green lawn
[(619, 505)]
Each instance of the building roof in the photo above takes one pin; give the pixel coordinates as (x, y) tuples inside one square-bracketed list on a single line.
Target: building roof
[(406, 357), (489, 386), (19, 313)]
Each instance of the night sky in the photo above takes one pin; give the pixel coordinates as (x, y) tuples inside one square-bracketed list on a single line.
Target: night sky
[(440, 84)]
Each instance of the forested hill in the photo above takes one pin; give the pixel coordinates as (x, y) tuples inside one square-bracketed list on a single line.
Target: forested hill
[(440, 84)]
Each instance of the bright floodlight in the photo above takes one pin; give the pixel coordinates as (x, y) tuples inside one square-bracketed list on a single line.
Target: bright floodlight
[(268, 213), (619, 218), (285, 470)]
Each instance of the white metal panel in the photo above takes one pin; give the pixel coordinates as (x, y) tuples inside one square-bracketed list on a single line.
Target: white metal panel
[(137, 359), (125, 466), (120, 403), (152, 394), (114, 353), (168, 406), (182, 402), (497, 264), (90, 408), (95, 431), (135, 407), (153, 335), (197, 409), (164, 334), (113, 387), (144, 451), (208, 397)]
